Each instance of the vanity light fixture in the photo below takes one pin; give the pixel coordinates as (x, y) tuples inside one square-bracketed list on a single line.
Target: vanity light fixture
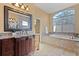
[(21, 5)]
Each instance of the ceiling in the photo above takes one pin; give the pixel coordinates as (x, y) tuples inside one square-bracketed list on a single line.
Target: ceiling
[(53, 7)]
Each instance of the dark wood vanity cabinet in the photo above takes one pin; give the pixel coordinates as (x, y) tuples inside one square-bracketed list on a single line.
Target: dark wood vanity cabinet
[(21, 46)]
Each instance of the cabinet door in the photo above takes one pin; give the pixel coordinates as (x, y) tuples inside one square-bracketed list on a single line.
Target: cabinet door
[(8, 47), (18, 47), (30, 44), (23, 47), (0, 47), (27, 45)]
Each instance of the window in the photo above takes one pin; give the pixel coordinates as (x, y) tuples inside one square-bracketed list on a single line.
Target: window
[(24, 23), (63, 21)]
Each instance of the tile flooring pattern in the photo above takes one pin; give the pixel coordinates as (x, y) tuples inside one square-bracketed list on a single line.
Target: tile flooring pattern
[(47, 50)]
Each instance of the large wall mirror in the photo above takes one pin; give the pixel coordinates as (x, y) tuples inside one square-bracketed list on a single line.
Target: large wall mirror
[(15, 20)]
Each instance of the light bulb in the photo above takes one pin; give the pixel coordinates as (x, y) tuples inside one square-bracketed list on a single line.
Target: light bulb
[(17, 4), (27, 8), (22, 7)]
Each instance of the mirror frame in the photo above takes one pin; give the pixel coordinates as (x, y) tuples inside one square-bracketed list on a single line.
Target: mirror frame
[(6, 27)]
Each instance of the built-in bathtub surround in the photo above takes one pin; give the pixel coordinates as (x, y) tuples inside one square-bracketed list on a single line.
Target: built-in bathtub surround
[(63, 42)]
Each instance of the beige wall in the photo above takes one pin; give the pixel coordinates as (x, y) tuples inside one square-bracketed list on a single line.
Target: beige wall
[(1, 18), (51, 23), (77, 18), (35, 11)]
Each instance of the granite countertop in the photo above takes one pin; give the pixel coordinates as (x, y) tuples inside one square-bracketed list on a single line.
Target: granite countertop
[(18, 34), (14, 36), (5, 37), (63, 36)]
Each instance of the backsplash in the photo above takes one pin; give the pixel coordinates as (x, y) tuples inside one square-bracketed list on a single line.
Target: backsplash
[(6, 34), (22, 33)]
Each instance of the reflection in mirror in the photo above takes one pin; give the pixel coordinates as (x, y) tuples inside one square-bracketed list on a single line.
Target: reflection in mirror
[(24, 23), (16, 20)]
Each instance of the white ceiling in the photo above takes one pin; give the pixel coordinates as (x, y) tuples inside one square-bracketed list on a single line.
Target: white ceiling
[(53, 7)]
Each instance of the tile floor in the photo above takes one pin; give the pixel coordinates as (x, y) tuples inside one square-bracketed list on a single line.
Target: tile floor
[(47, 50)]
